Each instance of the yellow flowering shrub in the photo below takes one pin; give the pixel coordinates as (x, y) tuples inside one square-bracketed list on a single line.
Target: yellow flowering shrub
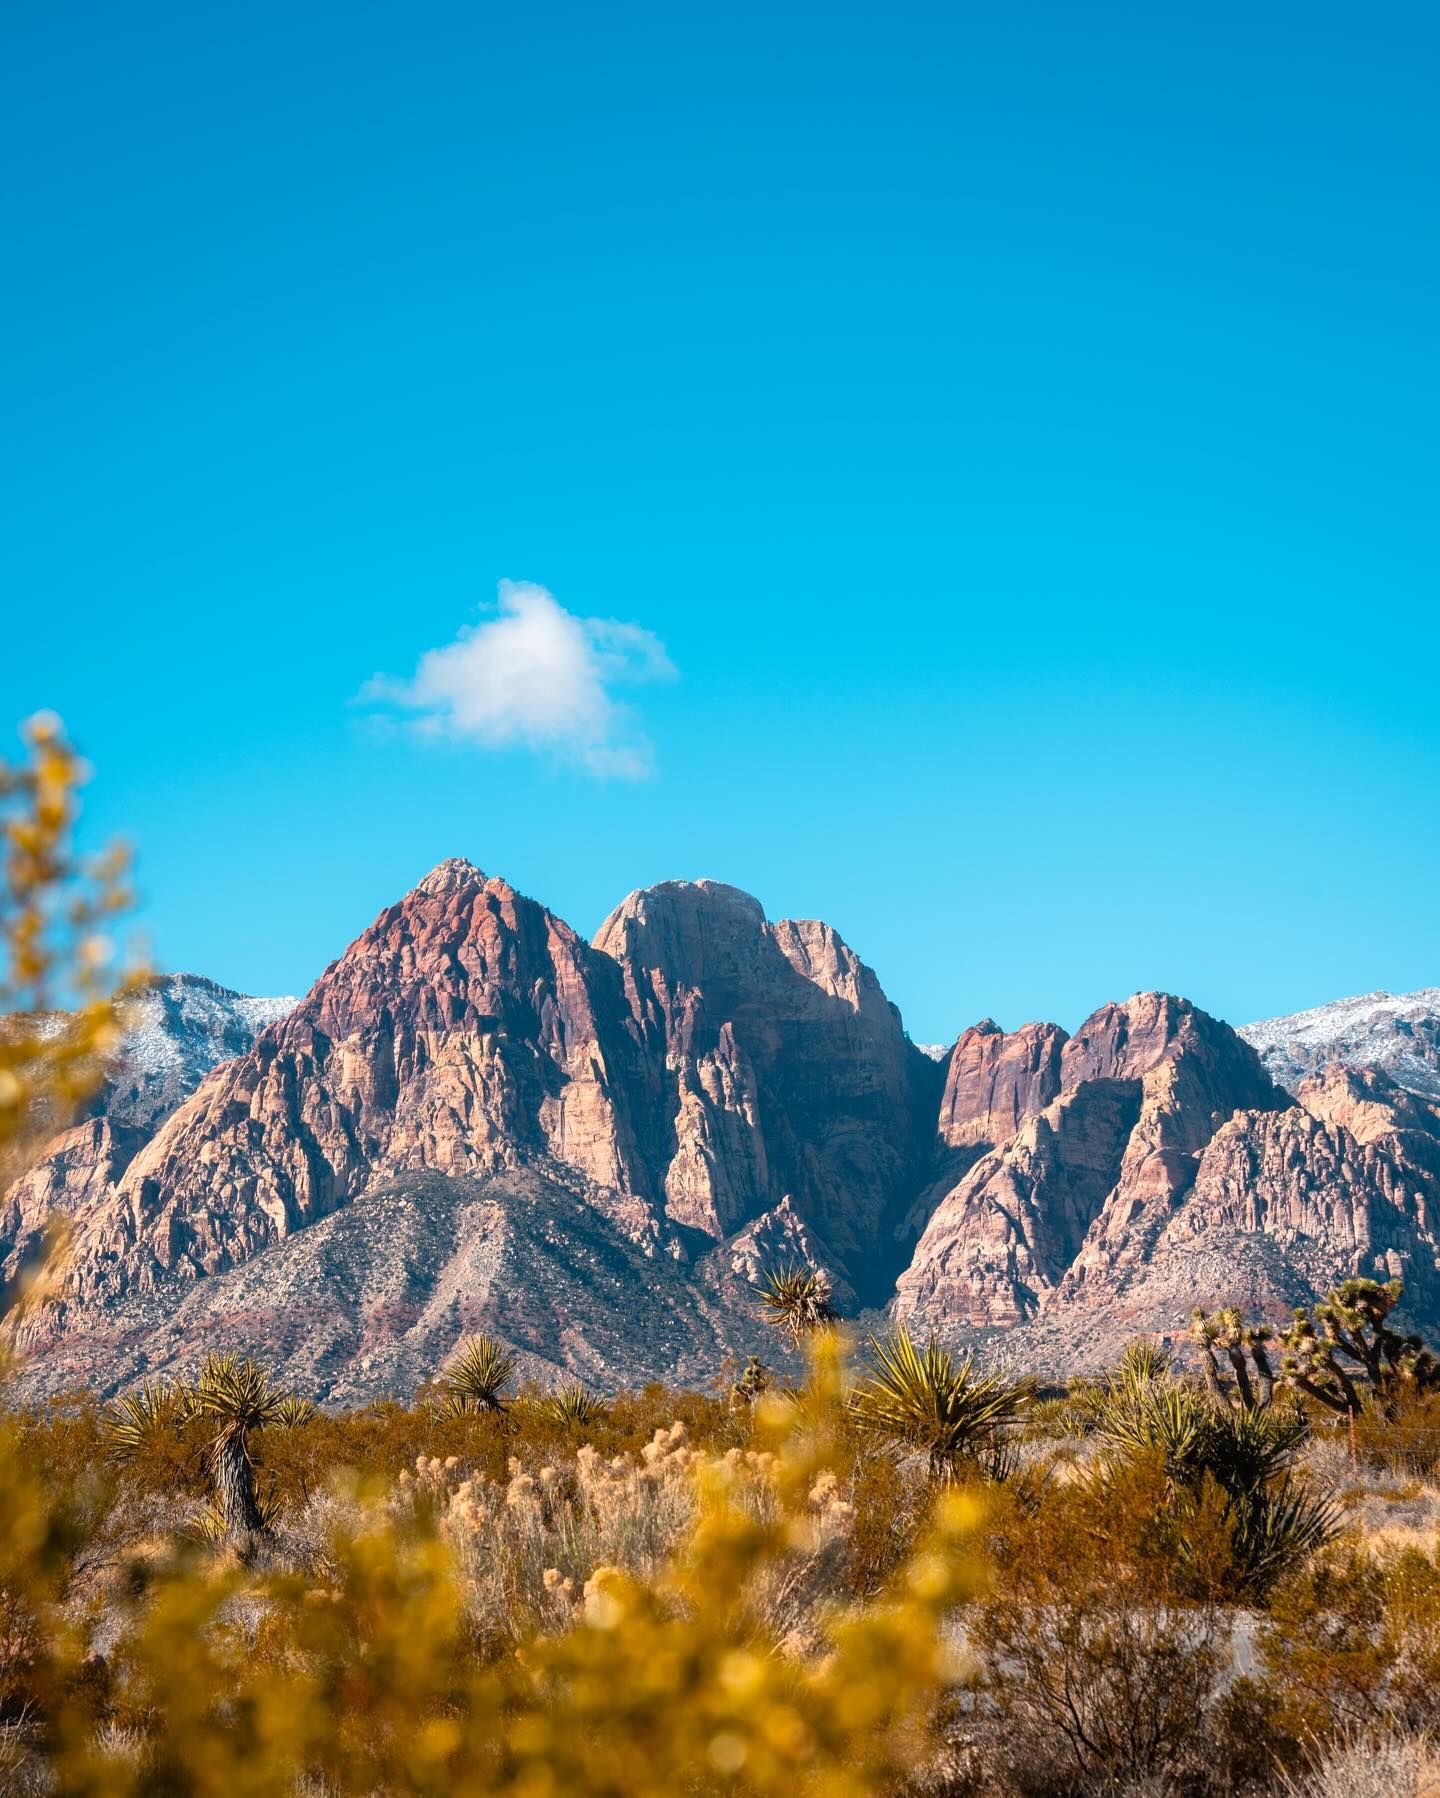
[(225, 1678)]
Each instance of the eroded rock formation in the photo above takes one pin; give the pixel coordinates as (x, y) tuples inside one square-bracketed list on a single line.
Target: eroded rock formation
[(477, 1119)]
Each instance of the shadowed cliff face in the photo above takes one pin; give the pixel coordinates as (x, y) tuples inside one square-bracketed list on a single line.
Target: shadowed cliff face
[(619, 1136), (777, 1068)]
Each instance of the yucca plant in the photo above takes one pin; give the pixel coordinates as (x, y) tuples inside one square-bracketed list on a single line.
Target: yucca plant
[(1144, 1362), (925, 1400), (476, 1379), (138, 1419), (1247, 1453), (795, 1300), (293, 1412), (571, 1403), (1275, 1527), (239, 1398), (1135, 1416)]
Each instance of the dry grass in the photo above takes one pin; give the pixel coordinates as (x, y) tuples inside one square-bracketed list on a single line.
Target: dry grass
[(1386, 1766)]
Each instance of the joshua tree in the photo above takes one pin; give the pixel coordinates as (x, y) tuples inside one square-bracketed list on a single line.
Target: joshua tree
[(476, 1379), (923, 1399), (795, 1300), (1349, 1326), (1228, 1332), (754, 1379), (238, 1397)]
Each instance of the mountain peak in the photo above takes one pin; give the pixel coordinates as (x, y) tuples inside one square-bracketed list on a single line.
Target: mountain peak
[(449, 876)]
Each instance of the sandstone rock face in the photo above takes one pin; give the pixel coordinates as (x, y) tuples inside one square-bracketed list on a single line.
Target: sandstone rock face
[(777, 1069), (466, 1031), (1194, 1074), (176, 1030), (475, 1119), (1286, 1203), (998, 1245), (1085, 1186), (77, 1174), (1172, 1172), (995, 1081), (705, 1074)]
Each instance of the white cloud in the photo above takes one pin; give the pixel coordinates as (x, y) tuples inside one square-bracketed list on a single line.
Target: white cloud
[(538, 676)]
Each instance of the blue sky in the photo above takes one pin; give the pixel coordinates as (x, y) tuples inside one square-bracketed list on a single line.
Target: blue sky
[(1008, 437)]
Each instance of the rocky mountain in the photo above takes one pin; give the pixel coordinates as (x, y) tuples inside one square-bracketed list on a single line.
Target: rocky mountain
[(1399, 1034), (477, 1120), (179, 1028)]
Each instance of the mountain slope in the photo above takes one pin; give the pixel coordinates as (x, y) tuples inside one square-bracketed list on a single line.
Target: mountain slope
[(179, 1028), (1397, 1033), (476, 1119)]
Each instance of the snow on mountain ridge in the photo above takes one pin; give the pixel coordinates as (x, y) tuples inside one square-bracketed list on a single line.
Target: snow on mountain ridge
[(1398, 1033), (179, 1028)]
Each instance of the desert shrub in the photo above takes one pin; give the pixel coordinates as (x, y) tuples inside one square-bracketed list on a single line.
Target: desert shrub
[(365, 1678), (889, 1501), (1352, 1642), (1405, 1440), (1102, 1639)]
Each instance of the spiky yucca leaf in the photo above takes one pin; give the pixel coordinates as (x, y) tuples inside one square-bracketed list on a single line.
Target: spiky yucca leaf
[(1140, 1417), (924, 1399), (136, 1420), (235, 1392), (572, 1403), (476, 1379), (293, 1412), (795, 1300), (1278, 1527), (1144, 1361)]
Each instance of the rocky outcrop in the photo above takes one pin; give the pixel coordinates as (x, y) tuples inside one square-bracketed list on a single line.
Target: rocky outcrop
[(998, 1245), (710, 1078), (1397, 1034), (176, 1029), (1194, 1074), (1286, 1203), (475, 1119), (1084, 1188), (467, 1031), (76, 1176), (996, 1080), (777, 1069)]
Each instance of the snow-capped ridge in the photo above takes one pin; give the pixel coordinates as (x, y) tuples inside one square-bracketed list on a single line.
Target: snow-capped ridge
[(1399, 1033)]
